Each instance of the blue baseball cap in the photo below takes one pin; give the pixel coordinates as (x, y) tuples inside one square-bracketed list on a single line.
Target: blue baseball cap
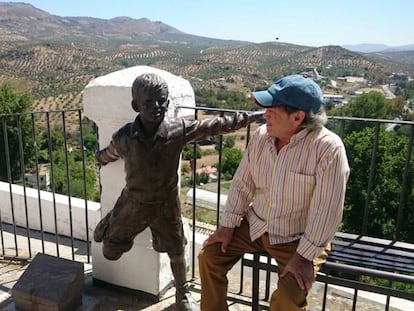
[(294, 90)]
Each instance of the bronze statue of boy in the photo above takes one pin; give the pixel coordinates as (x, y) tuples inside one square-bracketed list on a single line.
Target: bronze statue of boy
[(151, 148)]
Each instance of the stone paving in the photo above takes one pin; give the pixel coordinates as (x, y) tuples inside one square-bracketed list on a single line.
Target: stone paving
[(98, 298)]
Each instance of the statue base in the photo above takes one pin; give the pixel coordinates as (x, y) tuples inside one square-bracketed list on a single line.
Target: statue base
[(141, 269)]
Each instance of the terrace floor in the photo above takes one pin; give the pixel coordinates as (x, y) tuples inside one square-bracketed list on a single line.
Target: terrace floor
[(100, 298)]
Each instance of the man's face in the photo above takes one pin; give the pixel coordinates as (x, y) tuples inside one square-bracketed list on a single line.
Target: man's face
[(281, 124), (152, 105)]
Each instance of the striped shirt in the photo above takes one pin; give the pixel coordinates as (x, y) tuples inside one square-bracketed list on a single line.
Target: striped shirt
[(297, 193)]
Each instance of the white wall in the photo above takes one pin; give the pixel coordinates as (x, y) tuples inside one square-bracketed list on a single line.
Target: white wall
[(15, 201)]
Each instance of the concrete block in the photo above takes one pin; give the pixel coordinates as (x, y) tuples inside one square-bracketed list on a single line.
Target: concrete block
[(49, 284)]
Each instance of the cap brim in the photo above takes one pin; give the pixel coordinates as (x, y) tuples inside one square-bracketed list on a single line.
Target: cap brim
[(263, 98)]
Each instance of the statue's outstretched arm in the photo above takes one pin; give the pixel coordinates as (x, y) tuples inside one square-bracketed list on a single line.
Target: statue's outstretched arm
[(199, 130), (108, 154)]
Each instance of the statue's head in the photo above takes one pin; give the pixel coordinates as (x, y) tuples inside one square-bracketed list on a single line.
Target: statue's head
[(150, 95)]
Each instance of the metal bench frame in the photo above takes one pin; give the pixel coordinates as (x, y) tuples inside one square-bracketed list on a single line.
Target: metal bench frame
[(352, 255)]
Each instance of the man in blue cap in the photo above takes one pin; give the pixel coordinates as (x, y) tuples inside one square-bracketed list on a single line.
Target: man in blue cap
[(286, 198)]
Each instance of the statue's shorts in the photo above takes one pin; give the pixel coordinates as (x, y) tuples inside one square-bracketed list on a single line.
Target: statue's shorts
[(132, 214)]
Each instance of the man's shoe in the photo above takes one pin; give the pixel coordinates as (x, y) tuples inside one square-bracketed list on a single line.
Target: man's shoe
[(187, 303)]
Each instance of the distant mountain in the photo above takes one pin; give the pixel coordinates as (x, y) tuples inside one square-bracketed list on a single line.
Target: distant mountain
[(366, 47), (54, 57), (372, 48), (403, 48), (21, 22)]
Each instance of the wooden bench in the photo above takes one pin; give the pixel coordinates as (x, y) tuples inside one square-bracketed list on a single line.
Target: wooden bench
[(352, 257)]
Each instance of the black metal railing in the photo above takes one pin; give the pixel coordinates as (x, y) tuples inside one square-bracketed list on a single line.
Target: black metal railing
[(27, 141)]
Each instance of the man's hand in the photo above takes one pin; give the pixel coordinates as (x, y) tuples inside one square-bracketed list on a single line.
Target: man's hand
[(222, 235), (302, 270)]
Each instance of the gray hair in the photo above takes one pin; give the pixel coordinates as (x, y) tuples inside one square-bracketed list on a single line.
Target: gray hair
[(315, 120), (312, 120)]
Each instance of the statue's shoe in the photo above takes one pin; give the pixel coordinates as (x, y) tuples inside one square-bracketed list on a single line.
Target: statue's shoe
[(101, 228), (187, 303)]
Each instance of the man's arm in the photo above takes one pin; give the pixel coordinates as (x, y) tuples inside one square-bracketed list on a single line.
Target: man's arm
[(326, 209), (324, 218), (240, 194)]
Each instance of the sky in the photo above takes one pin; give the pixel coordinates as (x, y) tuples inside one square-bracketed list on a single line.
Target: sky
[(303, 22)]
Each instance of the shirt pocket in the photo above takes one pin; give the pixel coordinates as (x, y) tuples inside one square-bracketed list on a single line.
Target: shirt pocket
[(296, 194)]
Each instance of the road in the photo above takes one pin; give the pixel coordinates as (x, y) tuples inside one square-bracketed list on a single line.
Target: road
[(387, 91)]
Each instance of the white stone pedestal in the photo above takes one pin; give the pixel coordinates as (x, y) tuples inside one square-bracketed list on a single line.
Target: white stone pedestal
[(107, 101)]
